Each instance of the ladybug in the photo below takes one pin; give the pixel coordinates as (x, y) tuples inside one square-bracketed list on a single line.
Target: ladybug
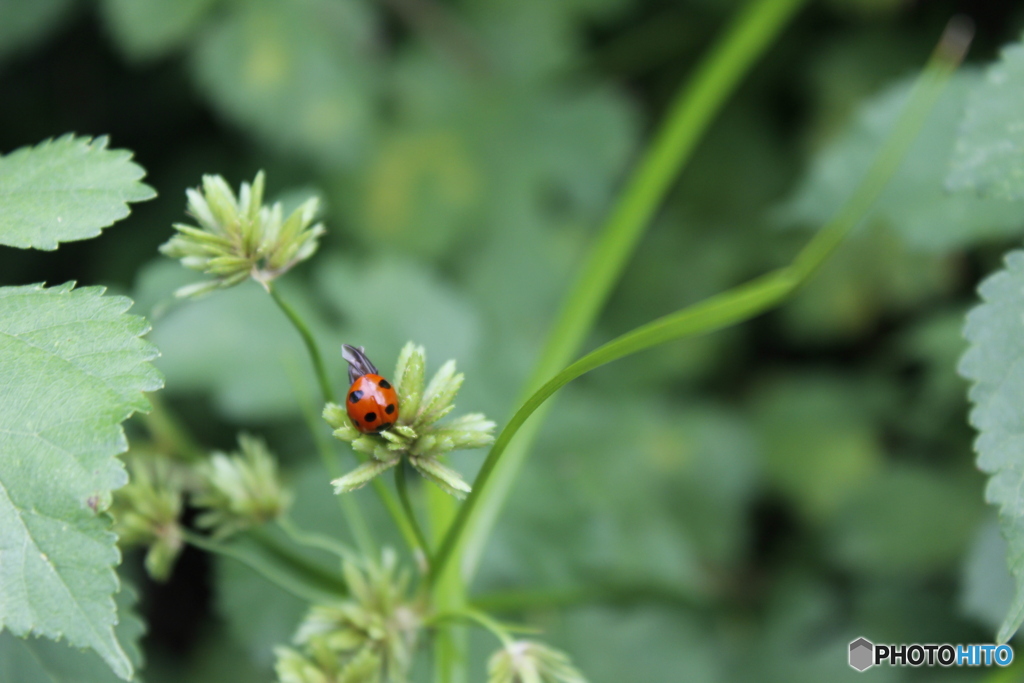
[(371, 401)]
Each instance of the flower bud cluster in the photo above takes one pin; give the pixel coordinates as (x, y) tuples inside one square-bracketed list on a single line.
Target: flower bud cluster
[(528, 661), (369, 638), (240, 490), (419, 436), (146, 512), (239, 237)]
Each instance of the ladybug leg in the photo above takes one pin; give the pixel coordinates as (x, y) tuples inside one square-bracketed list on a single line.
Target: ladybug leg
[(358, 363)]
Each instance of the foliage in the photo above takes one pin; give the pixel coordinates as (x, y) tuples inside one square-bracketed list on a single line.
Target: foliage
[(416, 436), (730, 200), (65, 189), (989, 144), (916, 204), (72, 367), (991, 363), (238, 237)]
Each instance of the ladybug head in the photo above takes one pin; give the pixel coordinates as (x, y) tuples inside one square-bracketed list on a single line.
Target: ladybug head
[(358, 363)]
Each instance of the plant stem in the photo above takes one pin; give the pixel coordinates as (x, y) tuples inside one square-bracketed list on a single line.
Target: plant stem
[(315, 572), (747, 300), (307, 338), (470, 614), (277, 576), (328, 395), (312, 539), (349, 510), (745, 39), (410, 513)]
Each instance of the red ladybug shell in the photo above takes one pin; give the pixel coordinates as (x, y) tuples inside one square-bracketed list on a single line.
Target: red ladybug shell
[(372, 404)]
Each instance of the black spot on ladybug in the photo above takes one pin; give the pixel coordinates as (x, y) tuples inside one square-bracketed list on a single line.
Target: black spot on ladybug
[(370, 417), (384, 384), (355, 396), (390, 409), (386, 425)]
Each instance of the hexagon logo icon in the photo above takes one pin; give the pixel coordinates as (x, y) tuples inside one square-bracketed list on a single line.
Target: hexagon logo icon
[(862, 654)]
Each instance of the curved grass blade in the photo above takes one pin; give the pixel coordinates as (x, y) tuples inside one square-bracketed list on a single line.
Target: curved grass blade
[(745, 301)]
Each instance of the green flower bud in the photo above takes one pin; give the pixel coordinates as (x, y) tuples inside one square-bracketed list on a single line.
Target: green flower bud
[(418, 435), (292, 667), (238, 238), (240, 490), (146, 513), (370, 637), (527, 661)]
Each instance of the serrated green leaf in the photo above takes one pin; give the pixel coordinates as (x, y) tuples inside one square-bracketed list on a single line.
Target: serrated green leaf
[(37, 660), (65, 190), (915, 202), (989, 151), (994, 362), (145, 29), (72, 367), (986, 587)]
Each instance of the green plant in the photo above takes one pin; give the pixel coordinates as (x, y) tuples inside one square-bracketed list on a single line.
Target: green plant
[(74, 369)]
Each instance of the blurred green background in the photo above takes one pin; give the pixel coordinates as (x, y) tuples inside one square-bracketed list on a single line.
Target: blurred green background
[(748, 502)]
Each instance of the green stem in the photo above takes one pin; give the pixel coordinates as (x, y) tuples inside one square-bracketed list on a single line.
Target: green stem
[(312, 539), (745, 301), (394, 508), (403, 495), (283, 579), (389, 501), (750, 32), (349, 509), (470, 614), (329, 580), (307, 338)]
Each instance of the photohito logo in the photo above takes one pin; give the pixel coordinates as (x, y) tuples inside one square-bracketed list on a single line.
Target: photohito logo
[(864, 654)]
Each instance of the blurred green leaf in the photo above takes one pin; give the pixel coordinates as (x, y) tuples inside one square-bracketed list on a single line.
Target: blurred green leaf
[(995, 331), (27, 21), (37, 660), (387, 302), (935, 395), (820, 446), (915, 203), (605, 644), (989, 152), (235, 345), (852, 68), (299, 75), (801, 637), (630, 491), (214, 659), (147, 29), (906, 520), (986, 587), (259, 615), (423, 191), (72, 368), (874, 274), (502, 24), (65, 189)]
